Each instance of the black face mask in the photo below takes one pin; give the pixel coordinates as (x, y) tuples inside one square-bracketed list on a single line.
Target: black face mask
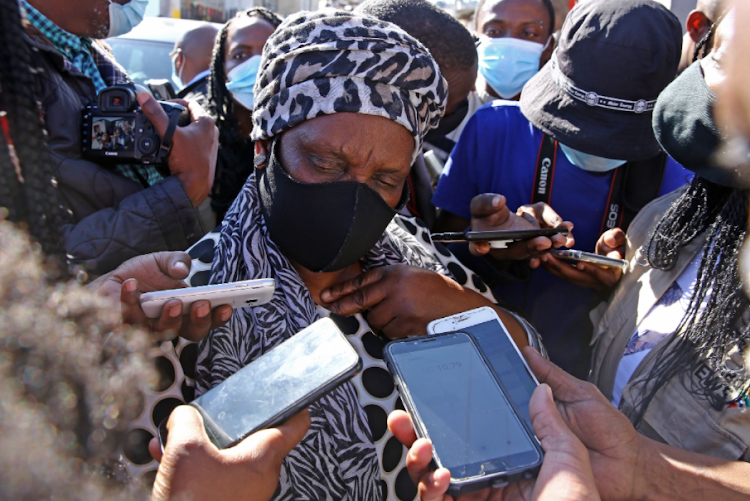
[(321, 226), (684, 125)]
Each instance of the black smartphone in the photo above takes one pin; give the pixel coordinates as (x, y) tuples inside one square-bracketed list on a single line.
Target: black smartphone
[(500, 235), (276, 386), (162, 89), (454, 400), (495, 343), (588, 257)]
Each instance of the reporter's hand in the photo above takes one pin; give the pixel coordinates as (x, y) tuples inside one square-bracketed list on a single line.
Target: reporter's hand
[(611, 244), (401, 299), (565, 474), (193, 468), (193, 156), (490, 213), (155, 272), (614, 446), (542, 215)]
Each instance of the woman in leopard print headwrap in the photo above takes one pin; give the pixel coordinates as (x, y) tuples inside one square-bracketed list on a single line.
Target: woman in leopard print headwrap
[(343, 102)]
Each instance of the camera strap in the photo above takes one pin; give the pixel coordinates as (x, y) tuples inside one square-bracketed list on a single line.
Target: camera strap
[(633, 185), (166, 142)]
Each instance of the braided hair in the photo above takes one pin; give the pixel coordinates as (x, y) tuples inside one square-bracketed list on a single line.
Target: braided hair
[(712, 327), (234, 163), (28, 189), (704, 46)]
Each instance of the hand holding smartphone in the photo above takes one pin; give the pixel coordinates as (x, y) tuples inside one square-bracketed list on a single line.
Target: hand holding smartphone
[(277, 385), (498, 239), (588, 257), (495, 342), (454, 400), (237, 294)]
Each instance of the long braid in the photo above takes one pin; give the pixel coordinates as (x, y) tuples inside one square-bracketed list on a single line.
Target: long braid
[(706, 43), (712, 327), (28, 194), (234, 150), (688, 216)]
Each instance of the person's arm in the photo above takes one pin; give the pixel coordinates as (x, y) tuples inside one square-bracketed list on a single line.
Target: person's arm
[(161, 217), (628, 465), (675, 474), (401, 300)]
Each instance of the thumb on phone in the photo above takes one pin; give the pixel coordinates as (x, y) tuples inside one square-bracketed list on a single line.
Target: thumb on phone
[(271, 446)]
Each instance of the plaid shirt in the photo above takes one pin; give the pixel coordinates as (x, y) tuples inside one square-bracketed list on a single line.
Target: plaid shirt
[(88, 58)]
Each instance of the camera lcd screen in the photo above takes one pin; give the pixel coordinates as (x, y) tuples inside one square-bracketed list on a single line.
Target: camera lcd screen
[(113, 134), (471, 424)]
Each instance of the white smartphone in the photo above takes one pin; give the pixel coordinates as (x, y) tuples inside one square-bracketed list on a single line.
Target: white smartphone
[(237, 294), (505, 359)]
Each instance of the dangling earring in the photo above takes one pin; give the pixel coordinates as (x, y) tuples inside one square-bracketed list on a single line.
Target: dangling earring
[(259, 159)]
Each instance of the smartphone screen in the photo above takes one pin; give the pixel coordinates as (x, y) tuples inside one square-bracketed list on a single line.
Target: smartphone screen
[(464, 411), (506, 362), (279, 384)]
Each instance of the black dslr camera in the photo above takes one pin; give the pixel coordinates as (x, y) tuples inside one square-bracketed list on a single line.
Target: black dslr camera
[(117, 130)]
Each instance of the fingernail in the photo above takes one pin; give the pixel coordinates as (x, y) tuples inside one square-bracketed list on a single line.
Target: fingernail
[(325, 296), (130, 285), (496, 200), (181, 266), (175, 311), (203, 310), (225, 315)]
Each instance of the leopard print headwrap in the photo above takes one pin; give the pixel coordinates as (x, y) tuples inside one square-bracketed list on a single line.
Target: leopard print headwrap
[(329, 61)]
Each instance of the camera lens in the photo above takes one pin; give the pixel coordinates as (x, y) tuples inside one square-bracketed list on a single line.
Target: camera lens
[(147, 144)]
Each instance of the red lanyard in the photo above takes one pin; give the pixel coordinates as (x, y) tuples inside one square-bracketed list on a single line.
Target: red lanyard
[(545, 173)]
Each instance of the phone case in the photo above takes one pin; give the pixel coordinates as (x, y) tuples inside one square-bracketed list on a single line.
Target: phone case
[(342, 357), (504, 235), (237, 294), (461, 486)]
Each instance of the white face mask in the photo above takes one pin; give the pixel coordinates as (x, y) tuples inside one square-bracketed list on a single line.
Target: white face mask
[(123, 18), (590, 163), (177, 77)]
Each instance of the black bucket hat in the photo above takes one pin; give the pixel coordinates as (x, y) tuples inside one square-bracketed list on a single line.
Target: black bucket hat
[(597, 92)]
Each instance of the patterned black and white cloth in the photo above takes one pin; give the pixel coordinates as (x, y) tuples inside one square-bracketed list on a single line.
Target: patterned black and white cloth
[(329, 61), (337, 459), (348, 454)]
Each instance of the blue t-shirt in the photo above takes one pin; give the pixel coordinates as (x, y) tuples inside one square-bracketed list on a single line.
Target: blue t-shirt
[(497, 153)]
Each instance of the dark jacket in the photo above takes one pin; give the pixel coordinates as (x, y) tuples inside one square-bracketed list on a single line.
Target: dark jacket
[(196, 91), (114, 218)]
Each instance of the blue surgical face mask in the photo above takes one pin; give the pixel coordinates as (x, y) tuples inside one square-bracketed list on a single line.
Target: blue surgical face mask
[(508, 63), (588, 162), (123, 18), (176, 77), (241, 80)]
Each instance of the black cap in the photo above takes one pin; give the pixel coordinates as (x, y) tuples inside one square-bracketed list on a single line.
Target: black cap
[(597, 92)]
